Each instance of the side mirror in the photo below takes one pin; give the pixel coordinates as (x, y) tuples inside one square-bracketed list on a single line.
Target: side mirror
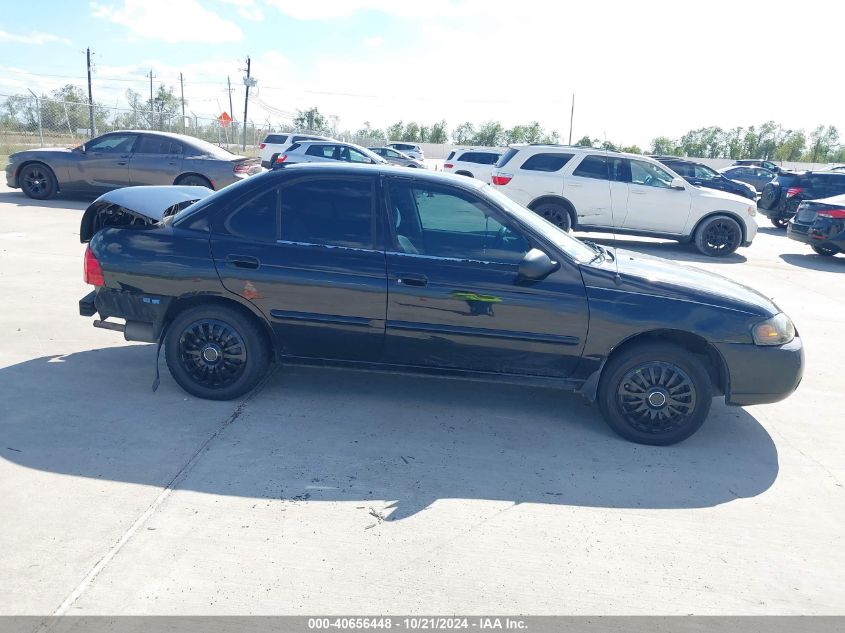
[(536, 265), (678, 183)]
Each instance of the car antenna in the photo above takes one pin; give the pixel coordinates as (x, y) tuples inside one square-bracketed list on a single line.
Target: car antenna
[(617, 279)]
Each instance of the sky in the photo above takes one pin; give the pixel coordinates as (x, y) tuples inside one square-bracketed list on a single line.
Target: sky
[(638, 69)]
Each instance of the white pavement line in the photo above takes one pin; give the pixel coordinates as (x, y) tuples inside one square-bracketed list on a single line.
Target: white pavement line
[(161, 498)]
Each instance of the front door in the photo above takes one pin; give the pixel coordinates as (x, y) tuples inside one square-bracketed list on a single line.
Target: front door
[(305, 254), (157, 160), (652, 204), (105, 163), (454, 297)]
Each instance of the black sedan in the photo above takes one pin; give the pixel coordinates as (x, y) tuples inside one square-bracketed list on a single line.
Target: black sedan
[(757, 177), (118, 159), (382, 268), (821, 224), (703, 176)]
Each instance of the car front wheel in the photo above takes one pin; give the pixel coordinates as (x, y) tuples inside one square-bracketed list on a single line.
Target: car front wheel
[(718, 236), (657, 394), (38, 181), (216, 352)]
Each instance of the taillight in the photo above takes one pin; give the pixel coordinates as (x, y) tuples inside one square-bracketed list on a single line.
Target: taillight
[(502, 179), (93, 273), (262, 145), (794, 191), (447, 165), (282, 158), (833, 214)]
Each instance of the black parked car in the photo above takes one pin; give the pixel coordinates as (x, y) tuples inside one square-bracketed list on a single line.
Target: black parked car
[(703, 176), (756, 177), (821, 224), (119, 159), (781, 197), (759, 162), (379, 267)]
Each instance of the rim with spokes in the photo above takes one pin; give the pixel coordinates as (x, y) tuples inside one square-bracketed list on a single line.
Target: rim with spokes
[(721, 235), (35, 180), (656, 397), (556, 216), (212, 352)]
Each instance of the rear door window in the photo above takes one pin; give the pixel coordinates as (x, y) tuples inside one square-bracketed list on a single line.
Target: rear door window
[(546, 162), (329, 210), (323, 151), (255, 220)]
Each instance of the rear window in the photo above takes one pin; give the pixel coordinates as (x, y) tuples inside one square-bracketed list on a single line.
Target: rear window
[(276, 139), (294, 146), (503, 160), (404, 147), (451, 154), (546, 162)]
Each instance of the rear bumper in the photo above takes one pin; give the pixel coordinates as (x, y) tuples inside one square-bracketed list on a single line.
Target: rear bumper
[(758, 374), (144, 314), (798, 231)]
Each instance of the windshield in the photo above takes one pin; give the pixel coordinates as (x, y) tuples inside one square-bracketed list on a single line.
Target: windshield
[(575, 248)]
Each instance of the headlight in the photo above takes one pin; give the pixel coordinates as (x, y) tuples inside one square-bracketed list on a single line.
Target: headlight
[(775, 331), (752, 210)]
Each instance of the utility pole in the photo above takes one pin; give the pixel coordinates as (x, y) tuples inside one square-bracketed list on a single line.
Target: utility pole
[(152, 116), (182, 89), (231, 108), (571, 117), (246, 100), (90, 96)]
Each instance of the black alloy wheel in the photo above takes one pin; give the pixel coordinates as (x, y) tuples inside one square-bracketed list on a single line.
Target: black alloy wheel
[(556, 214), (780, 223), (212, 352), (656, 397), (718, 236), (37, 181)]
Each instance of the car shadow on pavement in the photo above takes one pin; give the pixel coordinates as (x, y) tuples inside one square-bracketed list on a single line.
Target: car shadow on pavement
[(812, 261), (670, 250), (771, 230), (61, 201), (349, 436)]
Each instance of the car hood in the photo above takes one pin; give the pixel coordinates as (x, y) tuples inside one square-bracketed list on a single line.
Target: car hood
[(660, 277), (724, 196), (40, 151)]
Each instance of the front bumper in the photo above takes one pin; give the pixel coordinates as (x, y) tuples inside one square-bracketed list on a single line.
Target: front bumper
[(11, 175), (758, 374)]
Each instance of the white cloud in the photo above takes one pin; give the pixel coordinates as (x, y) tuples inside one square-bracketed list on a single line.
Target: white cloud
[(372, 42), (247, 9), (35, 38), (169, 20), (330, 9)]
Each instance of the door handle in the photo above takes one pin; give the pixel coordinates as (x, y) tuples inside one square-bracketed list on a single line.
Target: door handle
[(575, 185), (243, 261), (637, 192), (410, 279)]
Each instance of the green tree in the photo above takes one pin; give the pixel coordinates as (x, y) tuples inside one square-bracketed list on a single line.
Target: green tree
[(534, 132), (517, 134), (791, 146), (368, 134), (438, 133), (411, 133), (463, 134), (823, 142), (631, 149), (490, 134), (551, 138), (311, 119), (394, 132), (665, 146), (584, 141)]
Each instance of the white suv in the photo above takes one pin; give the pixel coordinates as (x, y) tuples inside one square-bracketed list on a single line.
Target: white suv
[(414, 151), (595, 190), (275, 144), (475, 163), (326, 151)]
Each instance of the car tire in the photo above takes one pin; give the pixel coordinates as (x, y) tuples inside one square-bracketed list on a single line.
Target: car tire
[(38, 181), (216, 352), (555, 213), (463, 173), (656, 393), (193, 180), (824, 251), (779, 223), (718, 236), (412, 166)]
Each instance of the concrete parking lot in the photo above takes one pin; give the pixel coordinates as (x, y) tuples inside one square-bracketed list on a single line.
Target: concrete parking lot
[(346, 492)]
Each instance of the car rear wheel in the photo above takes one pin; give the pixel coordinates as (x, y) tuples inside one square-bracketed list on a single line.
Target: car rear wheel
[(780, 223), (657, 394), (194, 180), (824, 251), (557, 214), (216, 352), (38, 181), (718, 236)]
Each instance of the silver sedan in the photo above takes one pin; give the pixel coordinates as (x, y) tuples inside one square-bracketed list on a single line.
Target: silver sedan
[(395, 157)]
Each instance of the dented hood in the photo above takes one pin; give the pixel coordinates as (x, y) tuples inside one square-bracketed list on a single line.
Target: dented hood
[(137, 206)]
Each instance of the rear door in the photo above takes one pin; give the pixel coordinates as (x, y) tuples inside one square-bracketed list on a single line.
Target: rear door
[(105, 163), (454, 298), (321, 153), (652, 204), (598, 200), (305, 253), (157, 160)]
